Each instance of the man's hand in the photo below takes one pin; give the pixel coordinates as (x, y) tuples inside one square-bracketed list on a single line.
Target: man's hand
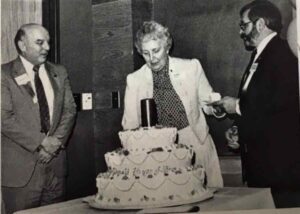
[(218, 112), (51, 145), (226, 103), (43, 156)]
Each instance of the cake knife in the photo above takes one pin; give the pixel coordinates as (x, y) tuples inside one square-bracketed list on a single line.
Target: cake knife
[(177, 209)]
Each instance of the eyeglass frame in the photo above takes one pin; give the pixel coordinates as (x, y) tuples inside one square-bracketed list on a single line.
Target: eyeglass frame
[(243, 26)]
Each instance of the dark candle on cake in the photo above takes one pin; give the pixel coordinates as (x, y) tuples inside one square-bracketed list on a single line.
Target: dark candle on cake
[(148, 112)]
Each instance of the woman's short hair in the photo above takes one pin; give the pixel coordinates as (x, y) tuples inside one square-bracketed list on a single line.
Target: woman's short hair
[(266, 10), (152, 30)]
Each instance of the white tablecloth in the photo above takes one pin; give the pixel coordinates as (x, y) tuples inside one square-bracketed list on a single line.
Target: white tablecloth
[(226, 199)]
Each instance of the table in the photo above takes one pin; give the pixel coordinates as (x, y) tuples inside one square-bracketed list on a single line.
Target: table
[(226, 199)]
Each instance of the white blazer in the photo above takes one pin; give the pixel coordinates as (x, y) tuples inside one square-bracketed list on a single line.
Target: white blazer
[(190, 83)]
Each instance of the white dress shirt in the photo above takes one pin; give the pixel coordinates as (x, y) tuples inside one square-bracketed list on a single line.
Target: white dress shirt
[(259, 49), (45, 81)]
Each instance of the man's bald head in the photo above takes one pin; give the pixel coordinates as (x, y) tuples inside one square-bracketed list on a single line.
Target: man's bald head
[(32, 42)]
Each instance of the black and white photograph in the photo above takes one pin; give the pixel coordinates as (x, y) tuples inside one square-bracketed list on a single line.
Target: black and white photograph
[(150, 106)]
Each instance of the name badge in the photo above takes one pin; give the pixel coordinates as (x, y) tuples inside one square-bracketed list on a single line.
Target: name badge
[(22, 79), (253, 67)]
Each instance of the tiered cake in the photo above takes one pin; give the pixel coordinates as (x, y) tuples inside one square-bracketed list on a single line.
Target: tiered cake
[(150, 171)]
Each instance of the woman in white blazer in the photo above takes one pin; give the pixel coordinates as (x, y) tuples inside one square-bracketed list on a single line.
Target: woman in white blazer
[(180, 90)]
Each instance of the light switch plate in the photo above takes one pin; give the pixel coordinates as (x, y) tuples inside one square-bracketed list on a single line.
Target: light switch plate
[(86, 101)]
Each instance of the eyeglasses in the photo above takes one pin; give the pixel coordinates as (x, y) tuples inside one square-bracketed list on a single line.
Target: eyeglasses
[(243, 25)]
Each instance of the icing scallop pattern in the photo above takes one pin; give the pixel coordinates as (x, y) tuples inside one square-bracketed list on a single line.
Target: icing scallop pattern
[(149, 137), (178, 176), (173, 152)]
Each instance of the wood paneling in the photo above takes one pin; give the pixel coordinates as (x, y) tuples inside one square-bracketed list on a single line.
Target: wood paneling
[(76, 55), (112, 45), (15, 13), (142, 10), (112, 61)]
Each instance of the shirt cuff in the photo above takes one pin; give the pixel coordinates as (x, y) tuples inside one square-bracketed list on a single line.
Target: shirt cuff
[(237, 107)]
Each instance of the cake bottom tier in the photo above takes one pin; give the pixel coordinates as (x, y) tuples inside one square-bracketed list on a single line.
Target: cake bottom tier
[(173, 186)]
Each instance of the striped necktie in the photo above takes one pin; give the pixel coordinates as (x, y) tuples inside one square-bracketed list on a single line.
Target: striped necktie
[(43, 104)]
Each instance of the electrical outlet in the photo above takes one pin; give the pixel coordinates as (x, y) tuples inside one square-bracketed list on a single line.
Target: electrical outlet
[(86, 101), (115, 99)]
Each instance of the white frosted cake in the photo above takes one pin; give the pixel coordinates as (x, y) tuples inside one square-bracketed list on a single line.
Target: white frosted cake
[(150, 171), (148, 138)]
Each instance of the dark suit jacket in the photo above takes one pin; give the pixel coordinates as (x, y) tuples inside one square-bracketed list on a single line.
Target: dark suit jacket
[(20, 122), (269, 127)]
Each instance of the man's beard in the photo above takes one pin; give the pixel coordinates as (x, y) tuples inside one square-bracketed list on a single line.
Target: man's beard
[(249, 39)]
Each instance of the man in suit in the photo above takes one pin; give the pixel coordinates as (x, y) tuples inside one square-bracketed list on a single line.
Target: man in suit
[(267, 110), (37, 117)]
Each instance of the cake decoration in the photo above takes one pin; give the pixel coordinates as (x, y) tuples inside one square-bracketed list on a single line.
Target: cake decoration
[(150, 171)]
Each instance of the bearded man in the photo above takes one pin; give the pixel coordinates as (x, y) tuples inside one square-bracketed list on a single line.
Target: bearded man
[(267, 108)]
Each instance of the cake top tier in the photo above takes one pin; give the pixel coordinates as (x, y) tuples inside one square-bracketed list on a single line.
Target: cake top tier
[(148, 138)]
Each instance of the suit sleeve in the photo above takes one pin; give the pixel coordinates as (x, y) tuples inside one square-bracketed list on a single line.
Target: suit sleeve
[(12, 126), (282, 91), (68, 114), (285, 84), (130, 118), (204, 88)]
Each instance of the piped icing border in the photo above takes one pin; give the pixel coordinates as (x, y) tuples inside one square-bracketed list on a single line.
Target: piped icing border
[(130, 138), (123, 180), (140, 156)]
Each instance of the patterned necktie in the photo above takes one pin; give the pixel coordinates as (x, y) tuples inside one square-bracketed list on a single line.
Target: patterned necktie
[(43, 104)]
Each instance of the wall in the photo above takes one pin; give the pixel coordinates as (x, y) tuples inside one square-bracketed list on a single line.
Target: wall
[(95, 45), (112, 61), (141, 10), (76, 54), (13, 15)]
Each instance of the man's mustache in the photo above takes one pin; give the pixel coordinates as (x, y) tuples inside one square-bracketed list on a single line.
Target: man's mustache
[(245, 37)]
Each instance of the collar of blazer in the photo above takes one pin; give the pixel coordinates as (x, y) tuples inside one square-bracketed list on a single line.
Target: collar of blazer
[(177, 77), (53, 76), (174, 70), (268, 49)]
